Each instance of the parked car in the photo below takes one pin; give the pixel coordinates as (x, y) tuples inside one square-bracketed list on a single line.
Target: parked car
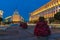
[(2, 30)]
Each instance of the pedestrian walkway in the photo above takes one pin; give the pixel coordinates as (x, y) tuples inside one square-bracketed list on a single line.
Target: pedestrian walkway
[(53, 36), (22, 35), (27, 34)]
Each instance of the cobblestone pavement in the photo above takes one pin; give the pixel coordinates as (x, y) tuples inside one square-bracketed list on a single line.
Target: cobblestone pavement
[(27, 34), (55, 35), (21, 35)]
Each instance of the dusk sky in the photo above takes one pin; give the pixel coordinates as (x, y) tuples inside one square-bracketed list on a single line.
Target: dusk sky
[(25, 7)]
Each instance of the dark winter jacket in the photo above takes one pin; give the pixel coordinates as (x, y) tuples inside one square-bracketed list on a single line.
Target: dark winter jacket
[(42, 29), (23, 25)]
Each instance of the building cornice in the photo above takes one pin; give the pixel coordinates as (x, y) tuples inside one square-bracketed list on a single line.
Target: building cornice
[(48, 5)]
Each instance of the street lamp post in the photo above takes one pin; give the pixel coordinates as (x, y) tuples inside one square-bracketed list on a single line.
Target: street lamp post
[(1, 14)]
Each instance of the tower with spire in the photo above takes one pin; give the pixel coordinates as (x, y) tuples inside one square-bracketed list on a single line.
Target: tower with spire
[(16, 17)]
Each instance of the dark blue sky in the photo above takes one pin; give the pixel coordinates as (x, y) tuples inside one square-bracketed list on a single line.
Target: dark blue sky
[(25, 7)]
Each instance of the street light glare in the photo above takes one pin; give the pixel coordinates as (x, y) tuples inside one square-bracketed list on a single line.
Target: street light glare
[(1, 12)]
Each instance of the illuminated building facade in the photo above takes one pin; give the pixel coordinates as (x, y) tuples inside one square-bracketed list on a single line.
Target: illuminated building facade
[(15, 18), (48, 10), (1, 13), (8, 19)]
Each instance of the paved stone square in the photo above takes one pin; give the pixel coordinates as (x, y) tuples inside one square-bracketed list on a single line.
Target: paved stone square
[(27, 34)]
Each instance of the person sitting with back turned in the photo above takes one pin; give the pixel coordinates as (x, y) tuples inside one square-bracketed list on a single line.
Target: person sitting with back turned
[(24, 25), (42, 30)]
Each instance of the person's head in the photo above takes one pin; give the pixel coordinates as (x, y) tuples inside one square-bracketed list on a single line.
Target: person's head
[(41, 19)]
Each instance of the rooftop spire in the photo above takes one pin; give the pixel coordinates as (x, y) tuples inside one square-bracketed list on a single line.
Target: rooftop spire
[(16, 12)]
